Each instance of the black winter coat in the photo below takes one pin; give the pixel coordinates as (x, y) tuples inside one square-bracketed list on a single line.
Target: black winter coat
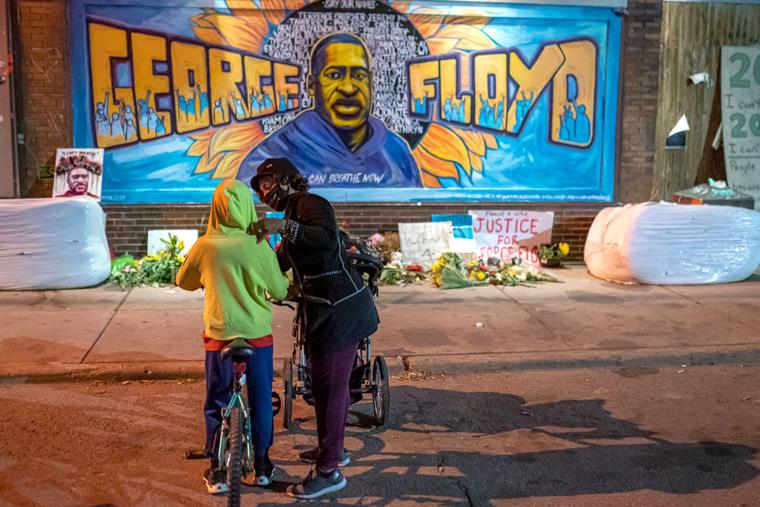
[(311, 245)]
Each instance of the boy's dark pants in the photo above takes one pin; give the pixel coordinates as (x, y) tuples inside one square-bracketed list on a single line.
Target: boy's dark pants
[(330, 373), (219, 378)]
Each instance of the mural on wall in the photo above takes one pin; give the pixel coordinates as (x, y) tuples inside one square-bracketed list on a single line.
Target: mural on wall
[(373, 101)]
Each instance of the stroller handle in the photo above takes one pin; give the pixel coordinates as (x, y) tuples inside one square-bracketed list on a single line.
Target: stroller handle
[(301, 298)]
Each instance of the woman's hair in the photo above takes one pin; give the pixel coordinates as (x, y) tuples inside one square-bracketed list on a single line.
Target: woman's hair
[(298, 183)]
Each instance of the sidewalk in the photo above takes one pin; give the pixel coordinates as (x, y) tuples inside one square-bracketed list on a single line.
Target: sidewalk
[(155, 332)]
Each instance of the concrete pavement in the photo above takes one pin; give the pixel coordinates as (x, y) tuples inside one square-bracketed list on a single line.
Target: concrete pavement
[(581, 321)]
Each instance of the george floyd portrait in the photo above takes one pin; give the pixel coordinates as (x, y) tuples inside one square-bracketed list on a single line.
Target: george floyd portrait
[(78, 173), (338, 143)]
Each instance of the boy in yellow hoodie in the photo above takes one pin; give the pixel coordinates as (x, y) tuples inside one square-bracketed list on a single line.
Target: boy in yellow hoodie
[(237, 273)]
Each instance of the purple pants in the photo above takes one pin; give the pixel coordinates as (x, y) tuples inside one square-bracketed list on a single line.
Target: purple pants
[(330, 373)]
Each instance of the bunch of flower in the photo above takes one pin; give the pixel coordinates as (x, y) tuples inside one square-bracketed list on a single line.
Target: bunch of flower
[(553, 251), (450, 272), (154, 269), (516, 274), (387, 244), (481, 273), (397, 274)]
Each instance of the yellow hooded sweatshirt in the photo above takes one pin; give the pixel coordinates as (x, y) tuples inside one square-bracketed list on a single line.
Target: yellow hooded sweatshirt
[(236, 271)]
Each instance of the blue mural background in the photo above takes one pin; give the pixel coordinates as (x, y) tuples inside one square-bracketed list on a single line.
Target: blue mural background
[(524, 168)]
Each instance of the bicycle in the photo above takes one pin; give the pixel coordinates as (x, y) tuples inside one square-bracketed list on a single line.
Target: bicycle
[(235, 437)]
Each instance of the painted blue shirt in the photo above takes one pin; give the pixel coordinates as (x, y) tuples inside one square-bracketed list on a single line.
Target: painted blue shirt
[(384, 160)]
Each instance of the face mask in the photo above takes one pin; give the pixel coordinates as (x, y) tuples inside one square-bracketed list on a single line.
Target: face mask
[(277, 198)]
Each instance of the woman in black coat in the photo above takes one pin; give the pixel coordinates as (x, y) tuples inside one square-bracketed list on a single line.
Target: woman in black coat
[(312, 247)]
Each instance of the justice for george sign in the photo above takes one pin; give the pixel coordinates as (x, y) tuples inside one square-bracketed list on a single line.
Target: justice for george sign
[(511, 234), (741, 118)]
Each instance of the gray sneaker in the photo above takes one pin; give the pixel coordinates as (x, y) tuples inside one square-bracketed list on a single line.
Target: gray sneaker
[(216, 480), (317, 484), (310, 456)]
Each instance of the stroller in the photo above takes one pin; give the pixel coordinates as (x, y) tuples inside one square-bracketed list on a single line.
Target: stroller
[(369, 375)]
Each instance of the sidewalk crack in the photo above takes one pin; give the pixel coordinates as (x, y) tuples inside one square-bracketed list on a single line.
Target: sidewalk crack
[(463, 487), (684, 296), (538, 319), (103, 331)]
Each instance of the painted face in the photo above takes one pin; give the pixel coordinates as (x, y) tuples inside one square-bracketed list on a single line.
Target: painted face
[(78, 180), (343, 87)]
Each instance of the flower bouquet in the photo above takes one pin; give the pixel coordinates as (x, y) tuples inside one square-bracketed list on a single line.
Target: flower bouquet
[(551, 256), (396, 273), (154, 269), (450, 272)]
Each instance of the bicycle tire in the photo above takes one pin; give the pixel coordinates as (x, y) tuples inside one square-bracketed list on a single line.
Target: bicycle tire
[(235, 463), (381, 391), (288, 393)]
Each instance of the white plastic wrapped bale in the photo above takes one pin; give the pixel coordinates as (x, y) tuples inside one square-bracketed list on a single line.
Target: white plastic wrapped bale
[(673, 244), (52, 244)]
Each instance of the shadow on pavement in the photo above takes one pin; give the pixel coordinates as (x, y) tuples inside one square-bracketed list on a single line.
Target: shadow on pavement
[(574, 447)]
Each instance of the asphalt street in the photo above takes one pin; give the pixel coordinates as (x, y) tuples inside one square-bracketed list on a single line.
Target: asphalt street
[(633, 436)]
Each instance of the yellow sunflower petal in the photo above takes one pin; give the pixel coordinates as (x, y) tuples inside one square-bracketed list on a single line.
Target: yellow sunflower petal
[(234, 136), (208, 163), (293, 5), (473, 140), (471, 17), (444, 143), (236, 5), (476, 162), (435, 165), (231, 31), (429, 181), (402, 7), (468, 37), (274, 10), (201, 144), (491, 141), (228, 166), (206, 31), (427, 21), (438, 46)]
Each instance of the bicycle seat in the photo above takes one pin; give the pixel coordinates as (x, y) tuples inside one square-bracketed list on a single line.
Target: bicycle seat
[(239, 349)]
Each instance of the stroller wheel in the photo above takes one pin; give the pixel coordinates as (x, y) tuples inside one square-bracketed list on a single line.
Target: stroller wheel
[(380, 391)]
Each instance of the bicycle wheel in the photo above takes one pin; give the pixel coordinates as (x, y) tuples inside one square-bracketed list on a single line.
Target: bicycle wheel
[(235, 457), (380, 391), (288, 393)]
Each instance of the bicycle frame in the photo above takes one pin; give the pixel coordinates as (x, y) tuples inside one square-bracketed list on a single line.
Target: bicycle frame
[(237, 399)]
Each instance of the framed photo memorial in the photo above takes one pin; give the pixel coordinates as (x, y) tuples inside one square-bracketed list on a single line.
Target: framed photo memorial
[(78, 172)]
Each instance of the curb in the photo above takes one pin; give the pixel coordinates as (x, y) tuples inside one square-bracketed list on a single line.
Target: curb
[(597, 359), (464, 363), (54, 373)]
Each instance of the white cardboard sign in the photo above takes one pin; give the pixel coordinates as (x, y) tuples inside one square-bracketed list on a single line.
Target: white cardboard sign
[(421, 242), (740, 101)]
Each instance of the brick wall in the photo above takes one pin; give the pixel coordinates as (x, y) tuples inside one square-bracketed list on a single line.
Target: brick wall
[(638, 105), (127, 225), (47, 124), (45, 90)]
